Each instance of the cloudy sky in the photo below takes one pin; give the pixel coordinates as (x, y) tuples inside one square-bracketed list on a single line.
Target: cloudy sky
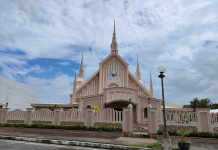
[(41, 43)]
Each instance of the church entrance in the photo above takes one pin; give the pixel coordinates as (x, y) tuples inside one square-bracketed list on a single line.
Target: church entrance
[(118, 109)]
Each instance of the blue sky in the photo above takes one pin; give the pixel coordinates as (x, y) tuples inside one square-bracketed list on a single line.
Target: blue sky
[(41, 43)]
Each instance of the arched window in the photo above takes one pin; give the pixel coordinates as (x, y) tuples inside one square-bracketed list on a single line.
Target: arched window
[(145, 112)]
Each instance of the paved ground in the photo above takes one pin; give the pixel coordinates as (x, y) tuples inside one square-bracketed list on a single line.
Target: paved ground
[(21, 145), (107, 140)]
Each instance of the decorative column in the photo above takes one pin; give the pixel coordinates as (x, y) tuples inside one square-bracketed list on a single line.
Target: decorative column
[(57, 116), (5, 114), (204, 120), (89, 116), (29, 112), (1, 113)]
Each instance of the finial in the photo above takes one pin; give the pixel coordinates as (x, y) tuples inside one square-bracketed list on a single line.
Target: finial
[(82, 56), (137, 59), (114, 25)]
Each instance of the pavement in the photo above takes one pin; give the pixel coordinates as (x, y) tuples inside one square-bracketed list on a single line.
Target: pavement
[(104, 141)]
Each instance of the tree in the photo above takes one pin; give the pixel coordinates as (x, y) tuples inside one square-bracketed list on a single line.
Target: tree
[(203, 103), (55, 106), (214, 106)]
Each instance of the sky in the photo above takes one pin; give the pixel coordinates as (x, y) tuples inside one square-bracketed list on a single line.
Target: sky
[(41, 44)]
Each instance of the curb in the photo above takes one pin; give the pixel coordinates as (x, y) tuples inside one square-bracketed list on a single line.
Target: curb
[(72, 143)]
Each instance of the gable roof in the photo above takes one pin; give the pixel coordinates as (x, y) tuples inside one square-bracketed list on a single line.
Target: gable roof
[(87, 81), (109, 56)]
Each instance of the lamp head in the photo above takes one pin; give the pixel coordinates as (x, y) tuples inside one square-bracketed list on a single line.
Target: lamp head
[(6, 104), (161, 69), (149, 100), (130, 101)]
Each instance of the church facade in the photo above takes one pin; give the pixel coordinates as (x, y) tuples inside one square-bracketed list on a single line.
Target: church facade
[(113, 85)]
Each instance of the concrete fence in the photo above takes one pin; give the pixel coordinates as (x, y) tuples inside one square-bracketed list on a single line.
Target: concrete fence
[(187, 119), (89, 117)]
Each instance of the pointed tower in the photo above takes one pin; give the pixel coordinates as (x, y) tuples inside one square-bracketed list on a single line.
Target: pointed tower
[(80, 79), (114, 44), (74, 90), (138, 73), (151, 85)]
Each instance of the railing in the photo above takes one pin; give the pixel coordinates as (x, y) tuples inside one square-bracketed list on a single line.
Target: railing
[(16, 114), (180, 116), (43, 114), (72, 114), (109, 115), (214, 118)]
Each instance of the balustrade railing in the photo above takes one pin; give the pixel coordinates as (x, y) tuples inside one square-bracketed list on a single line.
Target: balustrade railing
[(72, 114), (16, 114), (43, 114), (109, 115)]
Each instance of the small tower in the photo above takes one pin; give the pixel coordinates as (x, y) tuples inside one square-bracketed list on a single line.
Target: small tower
[(151, 85), (138, 73), (114, 44), (80, 79), (74, 90)]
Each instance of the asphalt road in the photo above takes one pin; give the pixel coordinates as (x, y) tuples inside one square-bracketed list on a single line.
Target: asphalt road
[(21, 145)]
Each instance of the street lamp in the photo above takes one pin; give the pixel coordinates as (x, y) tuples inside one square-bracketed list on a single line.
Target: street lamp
[(6, 104), (161, 69)]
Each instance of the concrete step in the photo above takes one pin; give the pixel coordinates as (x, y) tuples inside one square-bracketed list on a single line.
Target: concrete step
[(144, 135)]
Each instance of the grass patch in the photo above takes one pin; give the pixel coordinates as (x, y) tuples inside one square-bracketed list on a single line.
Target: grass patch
[(150, 145)]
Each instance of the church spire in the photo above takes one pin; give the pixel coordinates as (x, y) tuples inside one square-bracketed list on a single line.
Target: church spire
[(81, 70), (151, 85), (138, 73), (114, 41), (74, 80)]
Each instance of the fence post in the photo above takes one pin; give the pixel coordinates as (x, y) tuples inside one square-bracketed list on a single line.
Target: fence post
[(1, 114), (5, 114), (149, 118), (29, 112), (130, 107), (204, 120), (57, 116), (89, 116)]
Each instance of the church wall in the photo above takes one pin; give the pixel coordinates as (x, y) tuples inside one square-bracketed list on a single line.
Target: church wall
[(143, 104), (90, 88), (134, 85), (95, 101)]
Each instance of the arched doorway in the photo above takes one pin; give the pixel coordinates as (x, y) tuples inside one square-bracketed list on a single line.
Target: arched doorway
[(118, 109)]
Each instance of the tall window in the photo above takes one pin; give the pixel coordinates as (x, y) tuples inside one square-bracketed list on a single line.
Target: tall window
[(145, 112)]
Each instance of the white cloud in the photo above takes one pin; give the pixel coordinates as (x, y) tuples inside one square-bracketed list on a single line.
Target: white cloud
[(64, 63), (171, 33)]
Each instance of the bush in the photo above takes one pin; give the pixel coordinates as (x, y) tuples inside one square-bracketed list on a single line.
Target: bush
[(66, 127), (190, 134)]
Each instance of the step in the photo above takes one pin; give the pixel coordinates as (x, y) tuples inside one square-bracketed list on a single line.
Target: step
[(145, 135)]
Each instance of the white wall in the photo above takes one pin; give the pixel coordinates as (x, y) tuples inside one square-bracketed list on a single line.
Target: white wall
[(20, 94)]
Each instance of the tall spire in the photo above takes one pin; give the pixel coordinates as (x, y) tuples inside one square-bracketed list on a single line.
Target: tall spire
[(138, 73), (114, 41), (75, 79), (151, 85), (81, 70)]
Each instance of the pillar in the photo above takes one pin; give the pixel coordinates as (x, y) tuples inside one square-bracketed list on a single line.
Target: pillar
[(5, 114), (204, 120), (89, 116), (29, 112), (130, 107), (57, 116)]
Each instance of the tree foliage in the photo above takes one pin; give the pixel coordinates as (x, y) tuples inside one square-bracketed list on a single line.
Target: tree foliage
[(96, 108), (203, 103)]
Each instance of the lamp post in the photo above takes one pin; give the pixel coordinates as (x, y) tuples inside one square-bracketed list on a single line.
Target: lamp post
[(130, 101), (161, 69), (149, 100), (7, 105)]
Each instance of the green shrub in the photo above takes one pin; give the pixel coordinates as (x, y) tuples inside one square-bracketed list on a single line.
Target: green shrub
[(66, 127), (190, 134)]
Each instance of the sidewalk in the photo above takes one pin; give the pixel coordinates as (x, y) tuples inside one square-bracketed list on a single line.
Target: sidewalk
[(103, 140)]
